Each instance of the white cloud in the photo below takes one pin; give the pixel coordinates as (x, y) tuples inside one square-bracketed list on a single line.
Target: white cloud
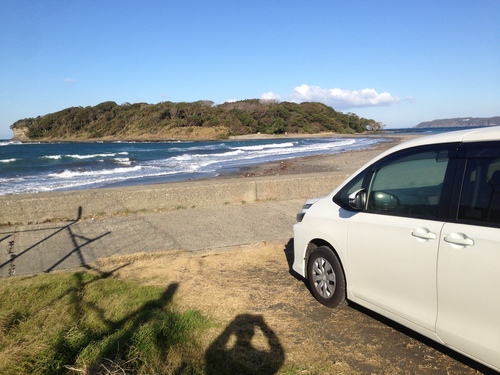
[(69, 80), (338, 98), (270, 96)]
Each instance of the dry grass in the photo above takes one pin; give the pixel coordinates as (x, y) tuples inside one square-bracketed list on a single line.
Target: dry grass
[(236, 310), (253, 283), (87, 323)]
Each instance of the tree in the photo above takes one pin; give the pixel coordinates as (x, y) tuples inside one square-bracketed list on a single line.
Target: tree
[(249, 116), (375, 126)]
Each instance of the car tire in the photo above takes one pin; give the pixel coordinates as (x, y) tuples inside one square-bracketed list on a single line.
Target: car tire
[(326, 277)]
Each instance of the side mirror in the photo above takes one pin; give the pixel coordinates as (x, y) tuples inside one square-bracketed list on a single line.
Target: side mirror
[(357, 200), (384, 201)]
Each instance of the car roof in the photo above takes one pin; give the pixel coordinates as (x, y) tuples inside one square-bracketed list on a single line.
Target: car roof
[(467, 135)]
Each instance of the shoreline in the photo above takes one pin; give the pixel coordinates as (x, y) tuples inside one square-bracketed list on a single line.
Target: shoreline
[(298, 178), (188, 139), (368, 134), (347, 161)]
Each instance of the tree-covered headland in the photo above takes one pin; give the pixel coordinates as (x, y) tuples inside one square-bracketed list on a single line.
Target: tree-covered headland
[(197, 120)]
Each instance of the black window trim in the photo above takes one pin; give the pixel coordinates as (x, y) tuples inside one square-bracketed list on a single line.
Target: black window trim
[(453, 182), (466, 152)]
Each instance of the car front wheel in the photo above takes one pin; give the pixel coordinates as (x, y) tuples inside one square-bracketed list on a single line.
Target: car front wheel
[(326, 277)]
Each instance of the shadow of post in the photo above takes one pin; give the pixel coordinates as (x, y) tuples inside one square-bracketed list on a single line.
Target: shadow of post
[(77, 243), (234, 351), (5, 237)]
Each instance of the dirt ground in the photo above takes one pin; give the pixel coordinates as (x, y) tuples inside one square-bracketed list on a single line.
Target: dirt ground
[(295, 334)]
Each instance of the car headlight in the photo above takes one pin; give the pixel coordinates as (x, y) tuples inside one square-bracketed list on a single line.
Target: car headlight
[(300, 216), (302, 213)]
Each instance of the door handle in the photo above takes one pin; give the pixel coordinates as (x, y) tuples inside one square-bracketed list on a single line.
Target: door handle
[(458, 239), (423, 234)]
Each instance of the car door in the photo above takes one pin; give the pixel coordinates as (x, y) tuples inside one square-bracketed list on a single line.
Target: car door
[(469, 260), (393, 243)]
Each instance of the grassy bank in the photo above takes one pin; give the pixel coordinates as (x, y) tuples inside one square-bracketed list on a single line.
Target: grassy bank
[(89, 323), (92, 323)]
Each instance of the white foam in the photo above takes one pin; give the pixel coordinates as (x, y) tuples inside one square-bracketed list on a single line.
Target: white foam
[(215, 146), (188, 157), (72, 174), (262, 147), (93, 156), (7, 143), (123, 161)]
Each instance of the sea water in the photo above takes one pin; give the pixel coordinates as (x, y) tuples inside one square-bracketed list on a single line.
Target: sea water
[(42, 167)]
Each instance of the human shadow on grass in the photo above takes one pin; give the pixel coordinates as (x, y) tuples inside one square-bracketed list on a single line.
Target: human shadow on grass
[(121, 345), (77, 242), (247, 346)]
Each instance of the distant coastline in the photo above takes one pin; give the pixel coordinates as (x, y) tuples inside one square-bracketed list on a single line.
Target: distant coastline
[(462, 122)]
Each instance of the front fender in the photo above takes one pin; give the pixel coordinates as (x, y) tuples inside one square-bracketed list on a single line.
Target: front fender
[(325, 223)]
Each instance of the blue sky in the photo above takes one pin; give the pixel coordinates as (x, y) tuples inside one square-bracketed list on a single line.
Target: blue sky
[(398, 62)]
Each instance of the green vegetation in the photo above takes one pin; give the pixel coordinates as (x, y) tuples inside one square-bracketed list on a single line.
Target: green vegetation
[(90, 323), (109, 120)]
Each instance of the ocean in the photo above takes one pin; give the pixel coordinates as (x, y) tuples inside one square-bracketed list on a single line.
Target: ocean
[(42, 167)]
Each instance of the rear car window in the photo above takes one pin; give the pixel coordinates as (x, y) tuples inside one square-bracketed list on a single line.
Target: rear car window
[(480, 197)]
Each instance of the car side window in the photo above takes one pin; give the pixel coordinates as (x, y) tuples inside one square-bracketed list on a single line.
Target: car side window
[(410, 185), (480, 197)]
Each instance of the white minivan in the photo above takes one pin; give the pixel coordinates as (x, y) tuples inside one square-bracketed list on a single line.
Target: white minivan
[(414, 235)]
